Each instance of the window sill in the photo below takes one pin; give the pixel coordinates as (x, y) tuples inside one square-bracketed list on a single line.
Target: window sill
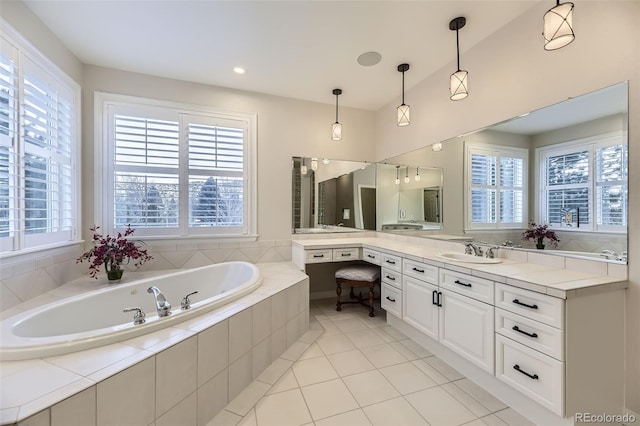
[(37, 252), (199, 239)]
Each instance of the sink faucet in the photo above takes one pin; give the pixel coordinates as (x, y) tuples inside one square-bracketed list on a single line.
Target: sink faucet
[(471, 248), (162, 305)]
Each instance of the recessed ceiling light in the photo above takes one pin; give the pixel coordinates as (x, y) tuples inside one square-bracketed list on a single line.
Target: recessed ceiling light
[(368, 59), (239, 70)]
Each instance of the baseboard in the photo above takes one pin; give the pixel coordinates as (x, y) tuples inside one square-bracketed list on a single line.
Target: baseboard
[(322, 295)]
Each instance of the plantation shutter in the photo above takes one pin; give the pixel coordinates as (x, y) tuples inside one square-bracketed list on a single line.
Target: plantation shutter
[(146, 172), (8, 146), (497, 187), (567, 186), (216, 163), (611, 185)]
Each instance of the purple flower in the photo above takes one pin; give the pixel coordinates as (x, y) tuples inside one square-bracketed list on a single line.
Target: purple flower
[(112, 252), (537, 232)]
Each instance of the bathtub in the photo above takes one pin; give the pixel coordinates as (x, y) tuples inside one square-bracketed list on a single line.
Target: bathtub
[(96, 318)]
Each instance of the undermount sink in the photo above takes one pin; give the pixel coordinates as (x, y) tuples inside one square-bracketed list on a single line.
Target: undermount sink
[(468, 258)]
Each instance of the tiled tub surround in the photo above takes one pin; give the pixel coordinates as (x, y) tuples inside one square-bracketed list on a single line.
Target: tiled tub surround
[(476, 316), (28, 277), (183, 374)]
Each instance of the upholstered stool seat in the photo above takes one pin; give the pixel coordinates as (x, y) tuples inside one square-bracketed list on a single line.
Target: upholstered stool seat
[(357, 276)]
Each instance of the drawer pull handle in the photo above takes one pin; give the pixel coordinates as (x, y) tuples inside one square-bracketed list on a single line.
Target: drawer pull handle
[(462, 284), (391, 300), (517, 302), (392, 262), (318, 255), (519, 370), (391, 278), (516, 328), (370, 256), (345, 254), (419, 270)]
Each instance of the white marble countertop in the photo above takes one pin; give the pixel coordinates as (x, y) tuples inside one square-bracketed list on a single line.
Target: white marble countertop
[(30, 386), (555, 275)]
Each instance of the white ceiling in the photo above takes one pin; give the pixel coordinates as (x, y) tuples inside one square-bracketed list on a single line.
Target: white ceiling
[(298, 49)]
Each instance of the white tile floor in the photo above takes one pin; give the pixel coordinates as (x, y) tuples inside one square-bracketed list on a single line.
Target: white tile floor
[(350, 369)]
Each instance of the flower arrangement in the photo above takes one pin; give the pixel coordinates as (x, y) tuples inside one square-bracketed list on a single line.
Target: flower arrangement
[(112, 252), (539, 233)]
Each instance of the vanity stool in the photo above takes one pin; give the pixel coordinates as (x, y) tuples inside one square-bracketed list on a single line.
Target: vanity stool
[(358, 275)]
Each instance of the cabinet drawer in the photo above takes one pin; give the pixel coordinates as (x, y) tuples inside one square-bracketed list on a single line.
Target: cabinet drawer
[(318, 256), (474, 287), (392, 262), (541, 337), (536, 375), (346, 254), (392, 278), (372, 256), (537, 306), (420, 270), (391, 300)]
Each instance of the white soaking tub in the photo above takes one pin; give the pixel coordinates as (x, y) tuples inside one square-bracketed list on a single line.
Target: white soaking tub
[(96, 318)]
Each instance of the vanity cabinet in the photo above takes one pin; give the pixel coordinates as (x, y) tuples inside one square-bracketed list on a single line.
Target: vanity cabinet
[(420, 306), (332, 255), (372, 256)]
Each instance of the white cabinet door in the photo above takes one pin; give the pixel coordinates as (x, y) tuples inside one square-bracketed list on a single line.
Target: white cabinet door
[(419, 305), (466, 326)]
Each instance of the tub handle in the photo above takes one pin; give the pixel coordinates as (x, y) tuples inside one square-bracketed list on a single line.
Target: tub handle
[(186, 303), (138, 317)]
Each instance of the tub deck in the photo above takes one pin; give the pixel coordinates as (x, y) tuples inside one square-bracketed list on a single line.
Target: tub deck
[(59, 377)]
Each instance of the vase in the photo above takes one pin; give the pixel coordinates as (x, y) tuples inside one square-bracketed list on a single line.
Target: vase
[(114, 272), (540, 244)]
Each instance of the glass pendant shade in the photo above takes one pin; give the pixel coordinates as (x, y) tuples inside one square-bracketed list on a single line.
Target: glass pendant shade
[(558, 26), (314, 164), (406, 177), (436, 147), (404, 115), (325, 161), (459, 85), (417, 174), (336, 131), (397, 181), (303, 170)]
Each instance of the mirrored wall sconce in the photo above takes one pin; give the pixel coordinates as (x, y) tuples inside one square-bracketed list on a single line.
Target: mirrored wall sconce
[(336, 128), (417, 174), (558, 26), (459, 79), (303, 168), (314, 164), (406, 178), (404, 112), (436, 147), (397, 181)]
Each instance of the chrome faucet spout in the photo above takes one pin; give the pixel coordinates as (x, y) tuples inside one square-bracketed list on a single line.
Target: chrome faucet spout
[(162, 304)]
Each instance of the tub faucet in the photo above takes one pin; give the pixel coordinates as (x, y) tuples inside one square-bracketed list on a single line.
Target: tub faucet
[(162, 305)]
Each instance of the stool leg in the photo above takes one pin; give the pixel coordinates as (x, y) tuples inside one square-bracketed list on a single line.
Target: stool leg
[(338, 293), (371, 300)]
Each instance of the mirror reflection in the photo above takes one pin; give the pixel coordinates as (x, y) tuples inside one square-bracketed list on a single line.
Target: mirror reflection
[(332, 195), (564, 166)]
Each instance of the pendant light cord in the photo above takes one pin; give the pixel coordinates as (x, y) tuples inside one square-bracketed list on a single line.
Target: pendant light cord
[(458, 46), (402, 87), (337, 108)]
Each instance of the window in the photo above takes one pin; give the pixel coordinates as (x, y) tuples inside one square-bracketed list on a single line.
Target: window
[(39, 128), (495, 187), (584, 184), (175, 170)]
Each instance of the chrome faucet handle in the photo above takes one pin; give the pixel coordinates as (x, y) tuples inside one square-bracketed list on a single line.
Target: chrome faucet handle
[(468, 249), (186, 303), (489, 254), (138, 317)]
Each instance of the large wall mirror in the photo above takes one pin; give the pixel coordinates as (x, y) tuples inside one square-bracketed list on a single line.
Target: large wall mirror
[(332, 195), (564, 165)]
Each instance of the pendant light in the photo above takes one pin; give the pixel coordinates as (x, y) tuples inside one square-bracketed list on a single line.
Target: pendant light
[(303, 168), (314, 164), (417, 174), (436, 147), (325, 161), (459, 86), (406, 178), (336, 128), (397, 182), (404, 113), (558, 26)]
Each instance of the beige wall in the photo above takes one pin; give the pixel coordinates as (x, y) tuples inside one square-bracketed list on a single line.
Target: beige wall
[(509, 74), (286, 127)]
